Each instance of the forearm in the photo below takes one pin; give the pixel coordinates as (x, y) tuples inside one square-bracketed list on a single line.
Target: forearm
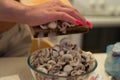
[(12, 11)]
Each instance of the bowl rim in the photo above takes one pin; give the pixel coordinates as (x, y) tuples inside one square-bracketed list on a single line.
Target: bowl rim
[(55, 76)]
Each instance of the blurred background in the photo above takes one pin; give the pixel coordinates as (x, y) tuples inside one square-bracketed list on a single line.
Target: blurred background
[(105, 17)]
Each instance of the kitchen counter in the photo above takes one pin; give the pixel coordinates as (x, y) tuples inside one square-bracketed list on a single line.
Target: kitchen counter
[(100, 68), (15, 66), (18, 66)]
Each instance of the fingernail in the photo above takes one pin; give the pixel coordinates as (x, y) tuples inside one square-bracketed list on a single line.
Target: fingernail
[(89, 24), (79, 22)]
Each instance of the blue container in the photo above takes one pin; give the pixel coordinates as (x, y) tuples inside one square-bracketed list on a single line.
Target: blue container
[(112, 62)]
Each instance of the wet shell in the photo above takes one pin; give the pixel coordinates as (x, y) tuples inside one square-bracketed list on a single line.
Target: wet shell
[(63, 29), (44, 52), (56, 48), (61, 53), (41, 61), (47, 66), (42, 69), (74, 53), (43, 27), (74, 73), (52, 25), (79, 66), (51, 62), (35, 62), (66, 44), (75, 62), (67, 58), (64, 41), (68, 68), (57, 67), (62, 63), (66, 24), (61, 74), (55, 54)]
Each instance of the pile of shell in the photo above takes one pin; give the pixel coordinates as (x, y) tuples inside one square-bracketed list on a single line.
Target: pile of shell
[(65, 59), (61, 25)]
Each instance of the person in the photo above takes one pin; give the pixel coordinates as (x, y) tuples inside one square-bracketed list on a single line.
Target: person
[(15, 35)]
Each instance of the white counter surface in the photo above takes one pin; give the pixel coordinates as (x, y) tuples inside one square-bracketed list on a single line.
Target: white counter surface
[(100, 68), (18, 66)]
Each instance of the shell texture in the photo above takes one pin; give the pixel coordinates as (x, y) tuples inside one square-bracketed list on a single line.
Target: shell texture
[(61, 25), (63, 60)]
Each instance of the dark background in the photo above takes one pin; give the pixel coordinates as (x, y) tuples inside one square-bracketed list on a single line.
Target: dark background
[(98, 38)]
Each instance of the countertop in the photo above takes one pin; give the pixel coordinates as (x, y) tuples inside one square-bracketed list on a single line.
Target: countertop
[(18, 66), (100, 68)]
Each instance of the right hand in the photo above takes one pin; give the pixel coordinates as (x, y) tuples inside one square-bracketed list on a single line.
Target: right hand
[(52, 11)]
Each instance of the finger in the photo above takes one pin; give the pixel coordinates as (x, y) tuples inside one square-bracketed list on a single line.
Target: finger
[(70, 10), (66, 17), (80, 16), (72, 13)]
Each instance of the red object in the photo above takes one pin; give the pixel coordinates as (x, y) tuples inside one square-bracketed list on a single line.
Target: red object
[(89, 24), (79, 22)]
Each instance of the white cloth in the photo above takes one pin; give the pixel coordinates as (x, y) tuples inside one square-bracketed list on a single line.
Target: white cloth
[(16, 41)]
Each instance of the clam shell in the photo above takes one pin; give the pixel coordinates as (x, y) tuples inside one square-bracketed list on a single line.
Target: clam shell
[(61, 53), (66, 24), (80, 66), (68, 68), (45, 52), (47, 66), (43, 27), (55, 54), (67, 57), (74, 53), (74, 73), (75, 61), (52, 25), (57, 48), (66, 44), (61, 73), (51, 62), (42, 69)]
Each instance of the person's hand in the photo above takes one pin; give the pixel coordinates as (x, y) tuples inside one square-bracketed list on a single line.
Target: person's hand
[(52, 11)]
